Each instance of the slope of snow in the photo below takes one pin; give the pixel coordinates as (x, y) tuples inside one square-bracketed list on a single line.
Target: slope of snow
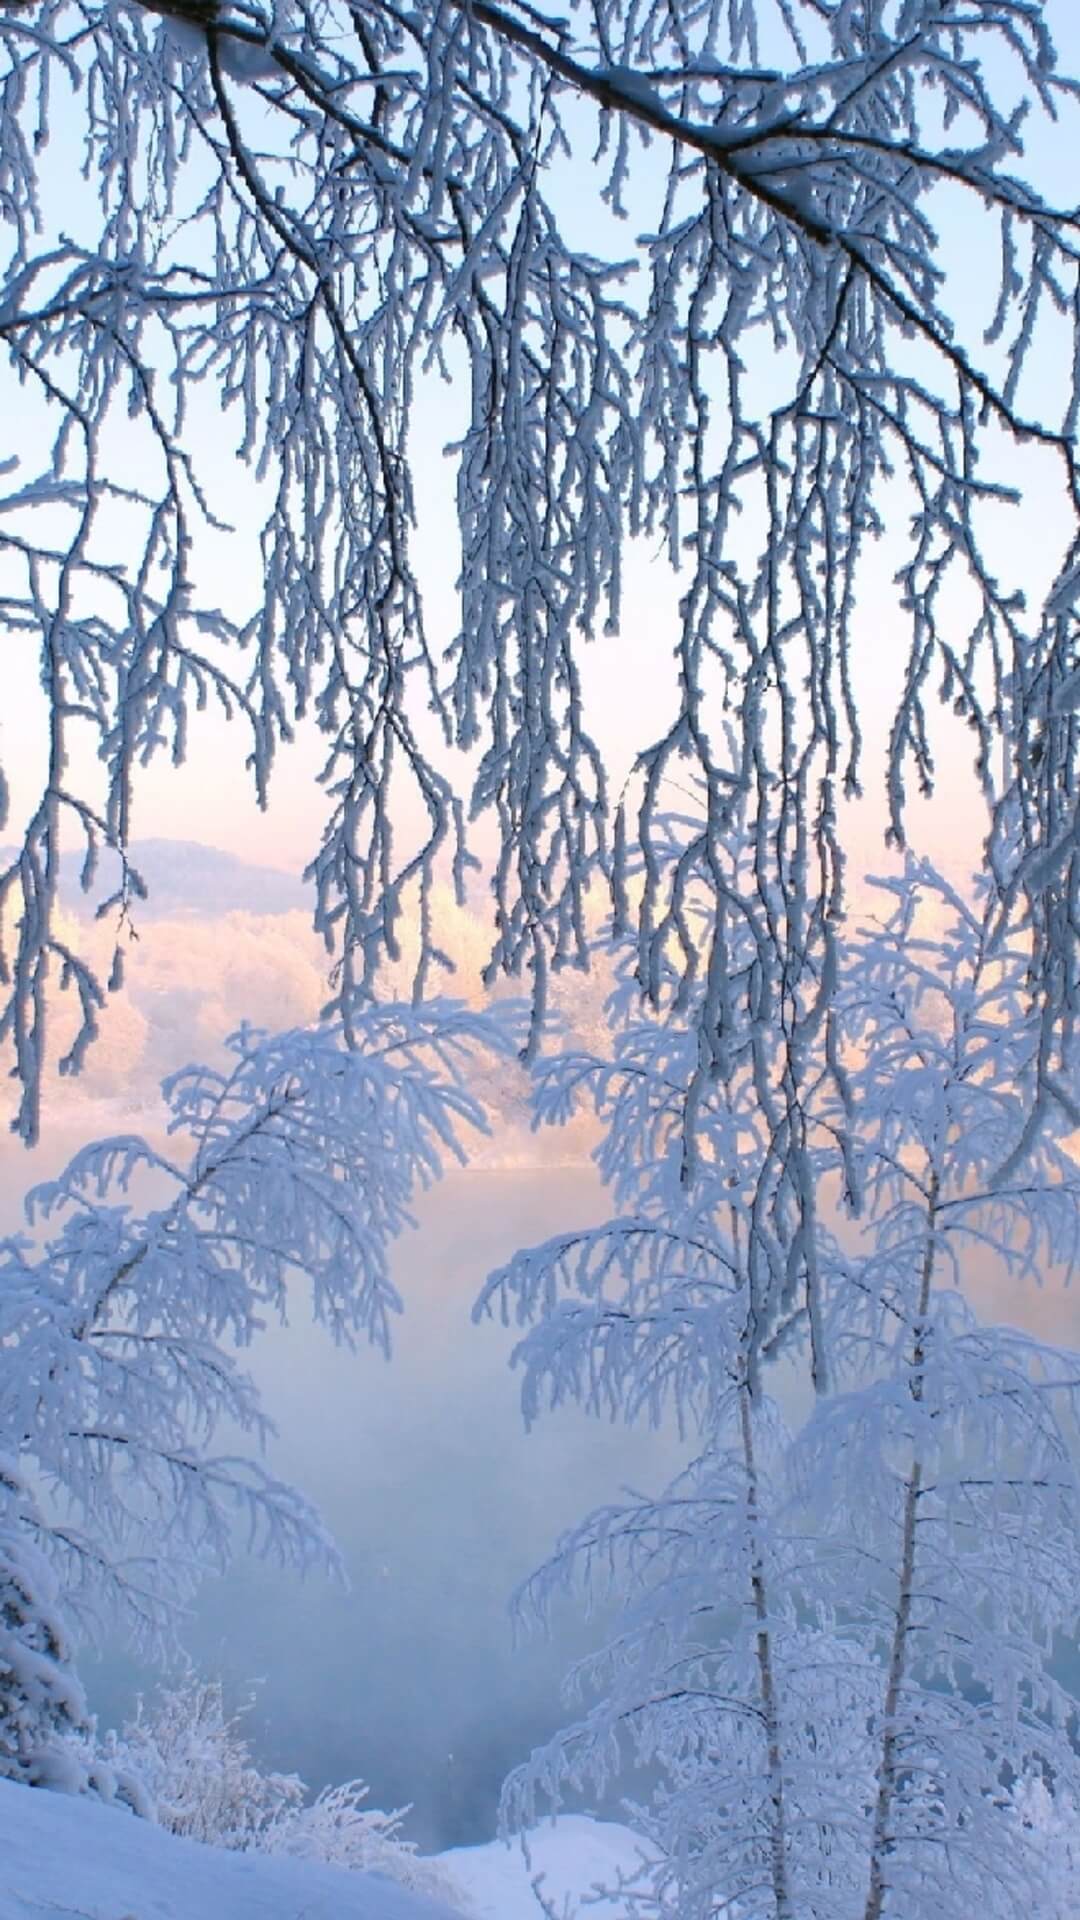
[(573, 1854), (75, 1858), (62, 1856)]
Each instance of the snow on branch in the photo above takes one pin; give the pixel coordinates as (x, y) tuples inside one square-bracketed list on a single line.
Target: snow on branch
[(306, 217)]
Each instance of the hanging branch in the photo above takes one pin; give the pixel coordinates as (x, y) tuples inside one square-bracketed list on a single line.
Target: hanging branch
[(312, 217)]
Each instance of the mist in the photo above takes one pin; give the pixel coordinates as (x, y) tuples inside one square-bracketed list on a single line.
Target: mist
[(441, 1503), (439, 1500)]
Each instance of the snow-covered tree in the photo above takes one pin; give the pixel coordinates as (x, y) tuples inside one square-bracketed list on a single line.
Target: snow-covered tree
[(838, 1628), (1054, 1820), (748, 345), (43, 1712), (946, 1474), (824, 296), (121, 1325)]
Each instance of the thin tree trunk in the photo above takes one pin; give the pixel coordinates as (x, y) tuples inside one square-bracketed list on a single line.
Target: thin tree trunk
[(778, 1863), (898, 1652)]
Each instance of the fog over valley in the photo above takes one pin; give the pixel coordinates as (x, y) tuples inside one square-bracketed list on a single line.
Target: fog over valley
[(440, 1501), (437, 1497)]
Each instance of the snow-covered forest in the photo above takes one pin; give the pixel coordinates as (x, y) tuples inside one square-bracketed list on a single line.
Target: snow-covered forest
[(590, 502)]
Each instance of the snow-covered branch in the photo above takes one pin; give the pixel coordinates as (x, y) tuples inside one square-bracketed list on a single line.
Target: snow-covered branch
[(312, 217)]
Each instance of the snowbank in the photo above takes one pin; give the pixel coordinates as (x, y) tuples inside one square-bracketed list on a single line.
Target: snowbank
[(77, 1858), (573, 1853), (61, 1855)]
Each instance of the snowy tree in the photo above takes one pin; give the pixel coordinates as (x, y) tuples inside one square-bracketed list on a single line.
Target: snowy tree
[(306, 218), (1054, 1820), (43, 1712), (758, 354), (120, 1326), (838, 1640)]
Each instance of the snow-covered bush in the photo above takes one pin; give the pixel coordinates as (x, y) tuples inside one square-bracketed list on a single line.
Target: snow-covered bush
[(337, 1829), (195, 1766)]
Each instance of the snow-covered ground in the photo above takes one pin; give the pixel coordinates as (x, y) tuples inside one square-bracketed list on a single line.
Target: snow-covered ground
[(573, 1854), (74, 1859)]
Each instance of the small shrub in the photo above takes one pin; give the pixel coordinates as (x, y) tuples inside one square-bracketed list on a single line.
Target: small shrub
[(195, 1768), (338, 1830)]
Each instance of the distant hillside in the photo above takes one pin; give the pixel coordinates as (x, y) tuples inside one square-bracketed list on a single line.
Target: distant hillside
[(184, 876)]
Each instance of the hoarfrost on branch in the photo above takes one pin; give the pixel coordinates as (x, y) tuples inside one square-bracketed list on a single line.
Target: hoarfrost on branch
[(311, 213)]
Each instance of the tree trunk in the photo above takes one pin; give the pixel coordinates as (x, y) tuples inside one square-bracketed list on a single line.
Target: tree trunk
[(898, 1653)]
